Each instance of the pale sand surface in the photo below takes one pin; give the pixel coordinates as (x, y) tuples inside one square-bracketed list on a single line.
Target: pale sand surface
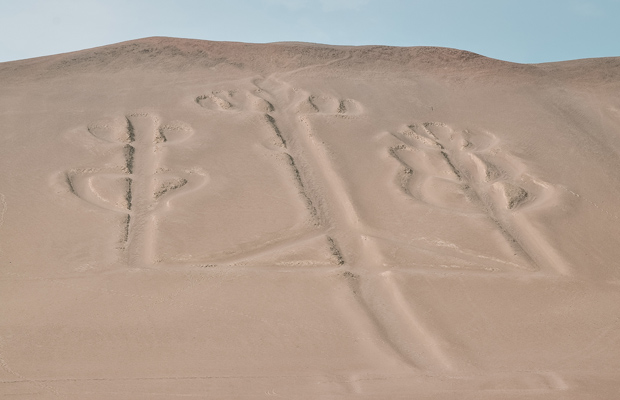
[(192, 219)]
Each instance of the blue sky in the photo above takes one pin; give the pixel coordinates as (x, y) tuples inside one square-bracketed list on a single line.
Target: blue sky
[(524, 31)]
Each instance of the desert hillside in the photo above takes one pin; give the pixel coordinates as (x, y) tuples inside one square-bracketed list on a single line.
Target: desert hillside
[(184, 218)]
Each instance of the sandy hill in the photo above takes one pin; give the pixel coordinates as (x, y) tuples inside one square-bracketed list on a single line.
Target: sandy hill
[(184, 218)]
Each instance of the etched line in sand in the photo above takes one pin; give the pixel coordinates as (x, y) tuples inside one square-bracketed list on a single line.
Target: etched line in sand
[(168, 186), (335, 250), (297, 176), (128, 153), (302, 189), (107, 190), (274, 126), (466, 171), (128, 196), (328, 105), (217, 100)]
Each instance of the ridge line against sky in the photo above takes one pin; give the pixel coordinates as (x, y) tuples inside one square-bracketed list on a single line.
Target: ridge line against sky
[(526, 32)]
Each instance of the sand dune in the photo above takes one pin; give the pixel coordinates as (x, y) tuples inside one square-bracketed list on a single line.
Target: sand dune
[(183, 218)]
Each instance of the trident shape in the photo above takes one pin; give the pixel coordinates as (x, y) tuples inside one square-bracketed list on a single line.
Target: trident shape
[(470, 174), (138, 190)]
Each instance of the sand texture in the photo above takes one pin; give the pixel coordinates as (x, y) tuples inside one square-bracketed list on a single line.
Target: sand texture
[(205, 220)]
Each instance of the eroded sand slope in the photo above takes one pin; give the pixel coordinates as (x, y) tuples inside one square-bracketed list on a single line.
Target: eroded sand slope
[(186, 218)]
